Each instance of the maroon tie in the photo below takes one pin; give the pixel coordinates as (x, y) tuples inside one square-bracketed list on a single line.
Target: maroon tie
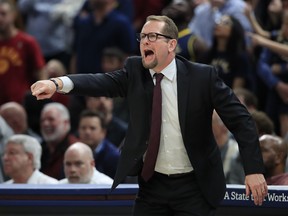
[(155, 131)]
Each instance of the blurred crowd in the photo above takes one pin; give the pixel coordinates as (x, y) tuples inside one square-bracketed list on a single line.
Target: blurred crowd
[(75, 139)]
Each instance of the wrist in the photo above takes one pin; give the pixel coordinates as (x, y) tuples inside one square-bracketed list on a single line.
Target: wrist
[(55, 83)]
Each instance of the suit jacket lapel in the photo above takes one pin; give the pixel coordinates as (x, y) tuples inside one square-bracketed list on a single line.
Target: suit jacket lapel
[(182, 86)]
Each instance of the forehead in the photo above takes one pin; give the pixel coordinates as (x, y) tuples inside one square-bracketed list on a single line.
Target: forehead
[(74, 155), (153, 26), (14, 146), (90, 120), (5, 7), (50, 113)]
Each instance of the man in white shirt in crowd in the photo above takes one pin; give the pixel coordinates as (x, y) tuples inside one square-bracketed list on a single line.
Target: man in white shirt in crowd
[(21, 161), (79, 167)]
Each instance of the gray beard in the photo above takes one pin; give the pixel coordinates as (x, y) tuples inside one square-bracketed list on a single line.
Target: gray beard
[(151, 65)]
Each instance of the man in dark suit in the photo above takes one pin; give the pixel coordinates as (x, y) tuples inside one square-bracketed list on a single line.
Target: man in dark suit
[(187, 178)]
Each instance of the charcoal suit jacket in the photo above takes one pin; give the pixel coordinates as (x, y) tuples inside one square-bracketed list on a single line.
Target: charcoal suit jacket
[(199, 91)]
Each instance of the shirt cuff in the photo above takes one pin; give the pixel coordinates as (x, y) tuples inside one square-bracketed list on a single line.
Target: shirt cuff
[(67, 84)]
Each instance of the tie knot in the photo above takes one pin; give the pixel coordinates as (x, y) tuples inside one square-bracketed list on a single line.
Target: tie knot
[(159, 77)]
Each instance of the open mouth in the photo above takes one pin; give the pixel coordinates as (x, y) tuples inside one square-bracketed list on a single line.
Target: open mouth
[(148, 54)]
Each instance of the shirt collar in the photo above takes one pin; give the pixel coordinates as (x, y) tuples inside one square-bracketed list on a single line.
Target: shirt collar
[(169, 71)]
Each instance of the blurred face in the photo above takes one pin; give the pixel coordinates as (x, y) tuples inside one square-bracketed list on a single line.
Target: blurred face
[(16, 119), (78, 167), (16, 160), (223, 28), (268, 153), (111, 63), (90, 131), (100, 104), (217, 3), (158, 54), (7, 17), (284, 4), (53, 126), (98, 4)]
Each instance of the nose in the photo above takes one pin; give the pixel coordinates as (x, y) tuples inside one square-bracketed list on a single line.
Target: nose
[(5, 157)]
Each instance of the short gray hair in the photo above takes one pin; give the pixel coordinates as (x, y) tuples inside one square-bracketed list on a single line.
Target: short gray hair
[(30, 145), (64, 112)]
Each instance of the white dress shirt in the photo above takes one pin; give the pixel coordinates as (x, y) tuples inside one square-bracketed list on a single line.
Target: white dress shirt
[(97, 178), (37, 177), (172, 157)]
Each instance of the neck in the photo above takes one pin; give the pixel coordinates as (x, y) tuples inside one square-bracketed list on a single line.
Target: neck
[(53, 144), (280, 169), (23, 176), (159, 68), (221, 44), (8, 34)]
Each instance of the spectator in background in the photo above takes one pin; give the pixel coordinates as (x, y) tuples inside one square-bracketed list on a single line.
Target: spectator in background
[(189, 46), (227, 145), (94, 31), (115, 127), (53, 68), (79, 166), (204, 20), (20, 56), (113, 59), (272, 69), (247, 98), (274, 152), (22, 161), (92, 131), (264, 125), (144, 8), (274, 46), (229, 54), (50, 22), (125, 7), (263, 122), (16, 117), (55, 129), (5, 133)]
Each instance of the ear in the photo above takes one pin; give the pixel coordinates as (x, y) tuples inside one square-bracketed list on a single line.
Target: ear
[(31, 157), (92, 163), (172, 44)]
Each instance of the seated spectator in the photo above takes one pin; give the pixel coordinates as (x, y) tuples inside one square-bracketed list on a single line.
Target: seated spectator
[(263, 122), (264, 125), (33, 107), (113, 59), (247, 98), (22, 161), (79, 166), (16, 117), (55, 129), (274, 152), (115, 127), (92, 131), (227, 145)]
